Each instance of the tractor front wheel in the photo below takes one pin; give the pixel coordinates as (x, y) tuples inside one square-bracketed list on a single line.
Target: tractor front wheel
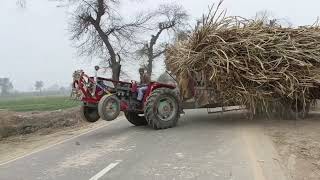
[(135, 119), (109, 107), (89, 114), (162, 109)]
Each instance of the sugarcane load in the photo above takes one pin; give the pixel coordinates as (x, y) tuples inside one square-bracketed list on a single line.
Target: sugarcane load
[(262, 66)]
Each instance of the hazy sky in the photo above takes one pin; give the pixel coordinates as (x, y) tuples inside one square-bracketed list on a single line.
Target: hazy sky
[(35, 42)]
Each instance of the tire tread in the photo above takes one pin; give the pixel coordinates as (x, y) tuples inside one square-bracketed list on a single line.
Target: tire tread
[(151, 116)]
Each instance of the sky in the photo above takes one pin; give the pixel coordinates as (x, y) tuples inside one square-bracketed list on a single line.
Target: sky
[(35, 44)]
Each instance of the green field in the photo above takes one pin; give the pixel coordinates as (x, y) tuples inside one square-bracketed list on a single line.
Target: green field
[(49, 103)]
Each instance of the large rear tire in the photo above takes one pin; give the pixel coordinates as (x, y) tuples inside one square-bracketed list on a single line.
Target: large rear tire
[(109, 107), (89, 114), (135, 119), (162, 109)]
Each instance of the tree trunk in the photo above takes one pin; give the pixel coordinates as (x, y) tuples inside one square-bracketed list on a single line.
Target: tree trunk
[(151, 56), (150, 61), (116, 68), (149, 68)]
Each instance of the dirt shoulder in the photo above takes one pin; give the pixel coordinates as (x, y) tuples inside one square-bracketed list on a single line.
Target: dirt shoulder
[(23, 123), (298, 144), (22, 133), (25, 132)]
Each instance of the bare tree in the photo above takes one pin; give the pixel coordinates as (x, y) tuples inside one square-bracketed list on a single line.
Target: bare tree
[(170, 18), (39, 85), (21, 3), (5, 85), (181, 35), (99, 29)]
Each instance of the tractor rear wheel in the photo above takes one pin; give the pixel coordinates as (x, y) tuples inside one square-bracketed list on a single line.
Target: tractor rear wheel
[(135, 119), (109, 107), (162, 109), (89, 114)]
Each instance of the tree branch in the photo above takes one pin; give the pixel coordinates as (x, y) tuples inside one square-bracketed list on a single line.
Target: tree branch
[(90, 5), (156, 55), (101, 10)]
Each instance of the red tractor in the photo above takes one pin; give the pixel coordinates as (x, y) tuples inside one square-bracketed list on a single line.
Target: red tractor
[(105, 98)]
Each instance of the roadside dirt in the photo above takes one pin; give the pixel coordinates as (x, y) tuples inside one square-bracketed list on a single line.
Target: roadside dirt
[(22, 123), (298, 144), (24, 132)]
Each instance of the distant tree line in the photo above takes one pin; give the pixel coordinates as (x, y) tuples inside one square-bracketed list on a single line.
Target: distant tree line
[(39, 85), (5, 86), (7, 89)]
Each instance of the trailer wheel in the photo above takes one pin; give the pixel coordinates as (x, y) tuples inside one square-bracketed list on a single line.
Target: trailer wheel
[(109, 107), (291, 109), (298, 111), (89, 114), (162, 109), (135, 119)]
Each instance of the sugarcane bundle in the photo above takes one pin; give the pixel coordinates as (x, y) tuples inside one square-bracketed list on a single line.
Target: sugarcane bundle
[(249, 62)]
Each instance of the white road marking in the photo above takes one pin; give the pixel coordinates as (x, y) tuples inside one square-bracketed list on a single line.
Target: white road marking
[(105, 170), (58, 143)]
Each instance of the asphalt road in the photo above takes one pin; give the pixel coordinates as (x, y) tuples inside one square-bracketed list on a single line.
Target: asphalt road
[(201, 147)]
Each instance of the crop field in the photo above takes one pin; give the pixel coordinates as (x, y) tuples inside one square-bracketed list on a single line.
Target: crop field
[(37, 103)]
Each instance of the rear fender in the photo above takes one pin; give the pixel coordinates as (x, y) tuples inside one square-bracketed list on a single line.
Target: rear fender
[(153, 86)]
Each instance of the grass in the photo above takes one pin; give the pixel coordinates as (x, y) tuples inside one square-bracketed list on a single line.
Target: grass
[(24, 104)]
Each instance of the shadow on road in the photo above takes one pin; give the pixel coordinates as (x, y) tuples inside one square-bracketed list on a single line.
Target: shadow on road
[(200, 119), (235, 118)]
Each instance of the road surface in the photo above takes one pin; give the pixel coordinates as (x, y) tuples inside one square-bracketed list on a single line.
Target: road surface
[(201, 147)]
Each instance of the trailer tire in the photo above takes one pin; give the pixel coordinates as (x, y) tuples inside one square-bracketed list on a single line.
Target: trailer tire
[(89, 114), (156, 109), (106, 103), (290, 109), (135, 119), (298, 111)]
